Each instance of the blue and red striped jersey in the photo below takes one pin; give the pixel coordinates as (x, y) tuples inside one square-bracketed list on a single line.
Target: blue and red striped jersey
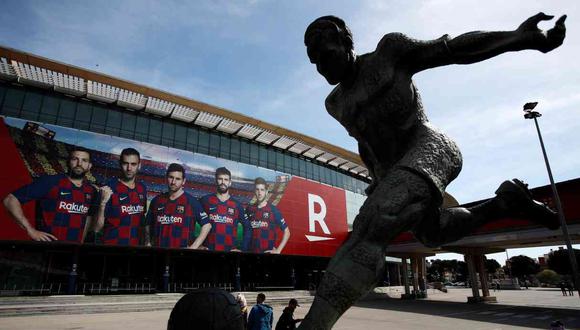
[(224, 218), (61, 207), (125, 213), (172, 222), (264, 221)]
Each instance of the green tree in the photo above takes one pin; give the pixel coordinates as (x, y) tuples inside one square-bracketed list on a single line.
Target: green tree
[(548, 276), (491, 265), (435, 271), (522, 266), (438, 268), (559, 261)]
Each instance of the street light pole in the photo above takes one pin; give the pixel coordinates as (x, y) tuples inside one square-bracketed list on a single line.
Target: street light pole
[(531, 114)]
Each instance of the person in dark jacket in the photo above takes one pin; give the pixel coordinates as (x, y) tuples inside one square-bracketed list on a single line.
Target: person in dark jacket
[(287, 320), (563, 288), (261, 316)]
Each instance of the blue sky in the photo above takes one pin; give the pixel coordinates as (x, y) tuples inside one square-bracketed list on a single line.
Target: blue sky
[(249, 57)]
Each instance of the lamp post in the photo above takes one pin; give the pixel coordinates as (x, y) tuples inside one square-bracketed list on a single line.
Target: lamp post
[(529, 113)]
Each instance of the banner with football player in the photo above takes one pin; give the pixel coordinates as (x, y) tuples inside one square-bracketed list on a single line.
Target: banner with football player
[(67, 185)]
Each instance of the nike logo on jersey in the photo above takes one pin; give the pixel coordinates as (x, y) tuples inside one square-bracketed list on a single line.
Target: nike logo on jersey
[(160, 208), (64, 193), (123, 198)]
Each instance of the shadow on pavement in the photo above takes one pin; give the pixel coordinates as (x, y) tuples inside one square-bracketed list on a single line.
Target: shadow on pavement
[(533, 317)]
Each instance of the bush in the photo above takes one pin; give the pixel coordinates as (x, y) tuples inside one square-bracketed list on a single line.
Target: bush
[(548, 276)]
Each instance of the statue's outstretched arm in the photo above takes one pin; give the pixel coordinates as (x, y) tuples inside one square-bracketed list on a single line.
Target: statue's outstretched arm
[(478, 46)]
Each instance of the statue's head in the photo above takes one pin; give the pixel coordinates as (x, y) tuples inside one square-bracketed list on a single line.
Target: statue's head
[(329, 45)]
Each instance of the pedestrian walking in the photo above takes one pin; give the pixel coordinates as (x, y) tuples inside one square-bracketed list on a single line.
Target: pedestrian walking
[(261, 316), (570, 288), (287, 320), (241, 300), (563, 288)]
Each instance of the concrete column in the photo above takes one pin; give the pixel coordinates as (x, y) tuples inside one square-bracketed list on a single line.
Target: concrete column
[(415, 272), (422, 274), (482, 275), (405, 276), (483, 278), (473, 279), (397, 280)]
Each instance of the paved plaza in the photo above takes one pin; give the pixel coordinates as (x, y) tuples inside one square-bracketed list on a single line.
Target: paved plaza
[(523, 309)]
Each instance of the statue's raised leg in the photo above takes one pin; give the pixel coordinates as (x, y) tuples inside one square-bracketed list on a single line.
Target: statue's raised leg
[(512, 200)]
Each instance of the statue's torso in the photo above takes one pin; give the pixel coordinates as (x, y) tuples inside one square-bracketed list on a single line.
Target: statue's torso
[(381, 109)]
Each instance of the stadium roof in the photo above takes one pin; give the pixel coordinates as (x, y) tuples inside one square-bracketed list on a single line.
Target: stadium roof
[(34, 70)]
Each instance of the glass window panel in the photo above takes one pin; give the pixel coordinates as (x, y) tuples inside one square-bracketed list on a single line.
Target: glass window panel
[(302, 168), (245, 151), (192, 139), (327, 175), (128, 125), (142, 128), (83, 116), (309, 170), (214, 144), (180, 137), (155, 128), (2, 92), (316, 172), (351, 183), (263, 156), (235, 146), (13, 102), (225, 147), (334, 177), (49, 109), (279, 161), (339, 180), (271, 159), (288, 163), (295, 165), (347, 182), (203, 145), (31, 106), (168, 134), (254, 153), (113, 122), (235, 149), (322, 170), (99, 119), (66, 113)]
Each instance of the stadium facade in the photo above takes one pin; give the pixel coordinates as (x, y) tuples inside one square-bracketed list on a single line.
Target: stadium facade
[(50, 108)]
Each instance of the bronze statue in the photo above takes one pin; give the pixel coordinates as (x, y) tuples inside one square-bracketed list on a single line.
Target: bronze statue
[(409, 160)]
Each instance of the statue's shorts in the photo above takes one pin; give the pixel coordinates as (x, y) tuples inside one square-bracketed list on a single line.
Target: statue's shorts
[(434, 156)]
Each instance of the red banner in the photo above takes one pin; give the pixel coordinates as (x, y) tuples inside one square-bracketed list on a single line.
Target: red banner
[(316, 216)]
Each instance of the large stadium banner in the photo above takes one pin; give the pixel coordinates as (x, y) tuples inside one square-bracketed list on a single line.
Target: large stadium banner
[(109, 208)]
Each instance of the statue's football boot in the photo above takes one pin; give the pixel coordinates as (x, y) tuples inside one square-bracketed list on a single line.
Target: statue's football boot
[(518, 202)]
